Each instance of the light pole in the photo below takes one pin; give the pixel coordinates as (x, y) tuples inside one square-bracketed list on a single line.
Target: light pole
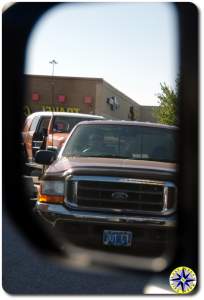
[(53, 63)]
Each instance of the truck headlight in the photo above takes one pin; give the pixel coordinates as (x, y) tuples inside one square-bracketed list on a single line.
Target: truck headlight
[(51, 191)]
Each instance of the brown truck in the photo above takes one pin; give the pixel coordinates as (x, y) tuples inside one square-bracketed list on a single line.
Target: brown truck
[(113, 187), (44, 130)]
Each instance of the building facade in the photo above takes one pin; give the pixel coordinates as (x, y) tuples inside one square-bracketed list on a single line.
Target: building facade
[(83, 95)]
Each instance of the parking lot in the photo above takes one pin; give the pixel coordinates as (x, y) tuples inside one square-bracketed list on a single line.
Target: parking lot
[(26, 271)]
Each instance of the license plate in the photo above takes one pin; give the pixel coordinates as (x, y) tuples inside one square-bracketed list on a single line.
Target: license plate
[(117, 238)]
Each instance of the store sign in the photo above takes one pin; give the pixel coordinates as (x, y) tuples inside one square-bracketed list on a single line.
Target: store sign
[(28, 110), (60, 108)]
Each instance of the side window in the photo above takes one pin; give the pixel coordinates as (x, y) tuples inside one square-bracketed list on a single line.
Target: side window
[(44, 123), (34, 123), (61, 124), (75, 120)]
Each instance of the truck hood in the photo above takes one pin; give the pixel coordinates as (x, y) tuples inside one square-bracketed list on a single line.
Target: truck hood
[(59, 135), (108, 165), (57, 139)]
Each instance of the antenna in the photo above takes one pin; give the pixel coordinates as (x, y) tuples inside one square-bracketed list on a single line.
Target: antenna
[(53, 63)]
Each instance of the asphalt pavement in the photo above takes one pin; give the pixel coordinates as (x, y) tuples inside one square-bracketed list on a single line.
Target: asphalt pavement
[(27, 272)]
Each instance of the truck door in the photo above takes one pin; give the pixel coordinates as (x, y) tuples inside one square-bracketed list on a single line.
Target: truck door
[(29, 137), (40, 135)]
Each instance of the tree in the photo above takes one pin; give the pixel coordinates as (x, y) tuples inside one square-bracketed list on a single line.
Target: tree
[(167, 111)]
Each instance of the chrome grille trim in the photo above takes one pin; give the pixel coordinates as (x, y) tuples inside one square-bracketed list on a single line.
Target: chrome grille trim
[(73, 181), (115, 179)]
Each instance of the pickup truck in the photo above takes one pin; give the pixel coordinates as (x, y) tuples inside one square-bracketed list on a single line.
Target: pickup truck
[(113, 187), (49, 129)]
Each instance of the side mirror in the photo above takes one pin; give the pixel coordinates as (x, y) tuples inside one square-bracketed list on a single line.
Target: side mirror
[(53, 149), (45, 157)]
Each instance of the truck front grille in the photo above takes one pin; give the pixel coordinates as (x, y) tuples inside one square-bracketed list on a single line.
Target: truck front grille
[(119, 194)]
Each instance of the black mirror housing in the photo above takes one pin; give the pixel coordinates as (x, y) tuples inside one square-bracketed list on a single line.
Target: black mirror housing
[(53, 149), (45, 157)]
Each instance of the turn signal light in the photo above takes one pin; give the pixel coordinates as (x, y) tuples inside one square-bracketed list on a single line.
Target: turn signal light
[(51, 199)]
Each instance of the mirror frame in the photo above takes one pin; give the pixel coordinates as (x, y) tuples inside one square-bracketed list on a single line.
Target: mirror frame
[(14, 39)]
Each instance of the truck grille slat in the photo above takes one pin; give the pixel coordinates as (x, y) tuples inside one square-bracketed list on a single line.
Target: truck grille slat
[(129, 186), (81, 198), (118, 190), (109, 205), (131, 195)]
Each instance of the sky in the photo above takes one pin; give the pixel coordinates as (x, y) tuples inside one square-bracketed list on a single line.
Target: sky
[(133, 46)]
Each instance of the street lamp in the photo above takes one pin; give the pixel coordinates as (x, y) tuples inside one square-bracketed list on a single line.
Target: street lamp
[(53, 63)]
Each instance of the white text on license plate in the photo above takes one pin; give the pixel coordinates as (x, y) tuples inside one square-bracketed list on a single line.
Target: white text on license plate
[(117, 238)]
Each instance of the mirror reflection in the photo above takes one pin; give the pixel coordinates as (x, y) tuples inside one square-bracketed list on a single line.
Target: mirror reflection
[(101, 126)]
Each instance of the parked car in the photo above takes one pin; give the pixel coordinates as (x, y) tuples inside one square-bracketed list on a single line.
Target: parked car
[(113, 187), (49, 129)]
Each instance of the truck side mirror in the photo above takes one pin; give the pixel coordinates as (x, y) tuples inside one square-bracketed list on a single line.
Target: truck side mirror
[(45, 157)]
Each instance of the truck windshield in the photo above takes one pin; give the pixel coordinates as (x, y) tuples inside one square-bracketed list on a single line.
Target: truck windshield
[(123, 141)]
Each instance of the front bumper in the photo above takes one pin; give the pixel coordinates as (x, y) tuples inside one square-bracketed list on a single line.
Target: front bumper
[(152, 236), (54, 213)]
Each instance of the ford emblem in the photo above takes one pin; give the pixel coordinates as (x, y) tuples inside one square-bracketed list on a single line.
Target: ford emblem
[(119, 196)]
